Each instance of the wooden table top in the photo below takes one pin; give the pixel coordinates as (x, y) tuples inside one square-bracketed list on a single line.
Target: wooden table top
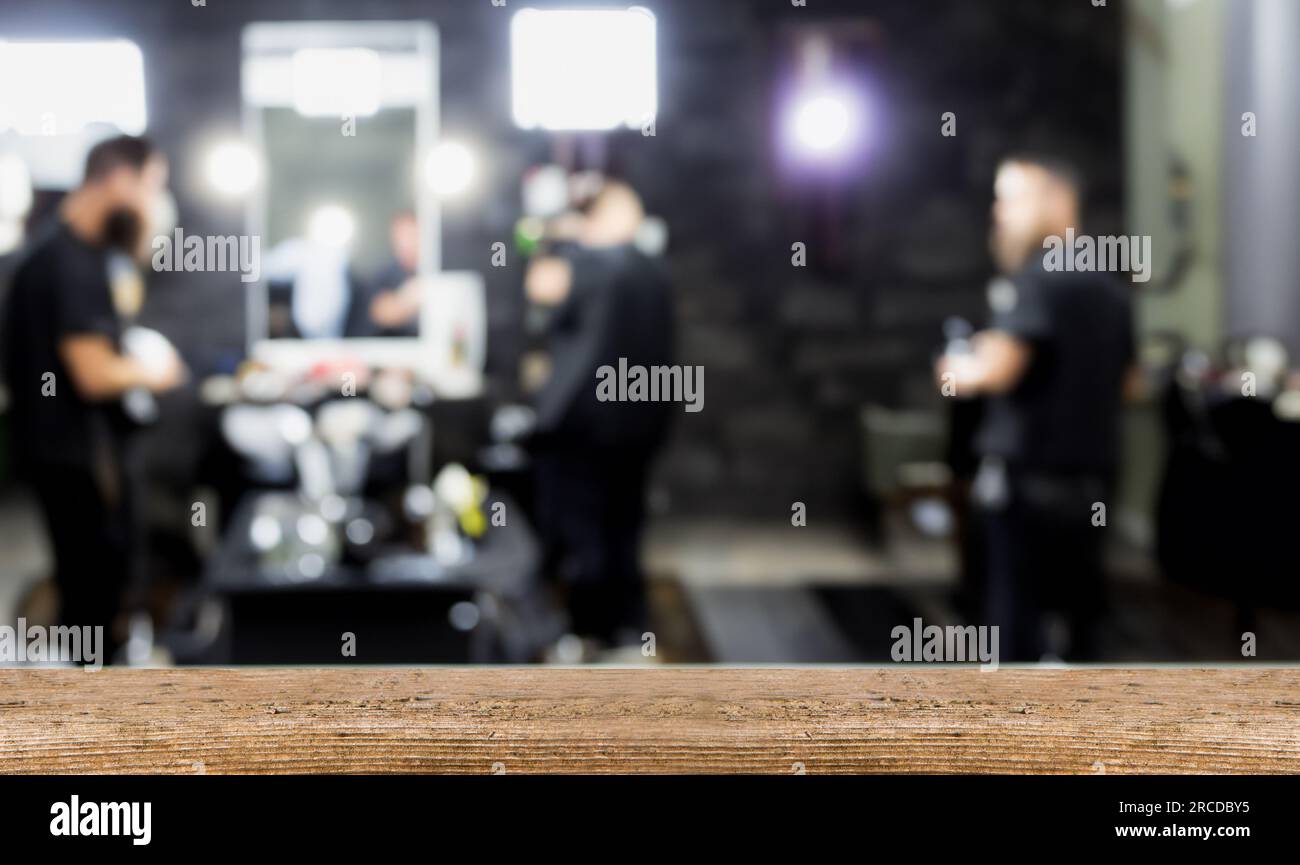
[(665, 720)]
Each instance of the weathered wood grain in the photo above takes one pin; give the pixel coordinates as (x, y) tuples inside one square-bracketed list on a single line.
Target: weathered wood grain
[(650, 720)]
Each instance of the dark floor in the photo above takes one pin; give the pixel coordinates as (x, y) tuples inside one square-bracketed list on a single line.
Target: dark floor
[(1147, 623)]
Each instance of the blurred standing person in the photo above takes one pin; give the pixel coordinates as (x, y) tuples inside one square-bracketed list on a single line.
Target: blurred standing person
[(608, 301), (66, 371), (1054, 365), (394, 307)]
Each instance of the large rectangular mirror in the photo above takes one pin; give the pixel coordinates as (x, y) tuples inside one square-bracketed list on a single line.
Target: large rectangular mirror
[(350, 237)]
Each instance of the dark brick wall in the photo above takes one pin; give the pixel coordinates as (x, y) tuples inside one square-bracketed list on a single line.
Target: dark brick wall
[(789, 354)]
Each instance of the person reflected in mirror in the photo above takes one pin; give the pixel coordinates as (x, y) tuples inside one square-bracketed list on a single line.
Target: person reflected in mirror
[(313, 291), (397, 292)]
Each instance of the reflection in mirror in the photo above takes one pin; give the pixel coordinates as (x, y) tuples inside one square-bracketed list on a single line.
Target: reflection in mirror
[(346, 232)]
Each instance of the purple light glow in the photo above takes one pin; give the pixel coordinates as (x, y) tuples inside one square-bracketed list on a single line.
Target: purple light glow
[(824, 127)]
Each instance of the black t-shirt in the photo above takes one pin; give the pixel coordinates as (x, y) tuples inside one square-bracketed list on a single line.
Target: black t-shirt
[(391, 278), (58, 289), (1064, 414), (619, 307)]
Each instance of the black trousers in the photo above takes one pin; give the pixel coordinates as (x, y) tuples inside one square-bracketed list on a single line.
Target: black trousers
[(590, 511), (91, 540), (1043, 553)]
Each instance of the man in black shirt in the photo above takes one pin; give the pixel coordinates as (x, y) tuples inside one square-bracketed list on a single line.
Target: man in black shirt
[(65, 372), (1053, 366), (392, 305), (609, 301)]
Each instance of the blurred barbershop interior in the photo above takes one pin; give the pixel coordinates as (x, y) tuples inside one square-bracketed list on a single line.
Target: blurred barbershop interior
[(456, 331)]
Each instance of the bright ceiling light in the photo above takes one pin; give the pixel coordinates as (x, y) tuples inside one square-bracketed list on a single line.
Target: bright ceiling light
[(450, 168), (331, 227), (336, 82), (60, 88), (583, 69), (232, 169)]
